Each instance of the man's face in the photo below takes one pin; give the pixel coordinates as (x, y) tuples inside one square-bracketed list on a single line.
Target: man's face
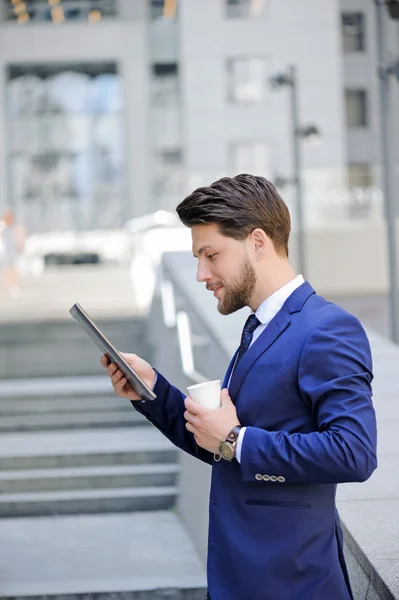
[(224, 265)]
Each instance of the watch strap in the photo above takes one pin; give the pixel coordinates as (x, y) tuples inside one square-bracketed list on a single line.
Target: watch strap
[(234, 433)]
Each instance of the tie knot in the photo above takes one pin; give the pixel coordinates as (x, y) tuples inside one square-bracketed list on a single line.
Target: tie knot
[(251, 323)]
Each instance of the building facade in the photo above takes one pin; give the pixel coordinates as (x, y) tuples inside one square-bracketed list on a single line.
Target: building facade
[(360, 81), (116, 108)]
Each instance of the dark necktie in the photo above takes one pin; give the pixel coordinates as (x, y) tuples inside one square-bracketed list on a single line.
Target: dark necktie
[(251, 324)]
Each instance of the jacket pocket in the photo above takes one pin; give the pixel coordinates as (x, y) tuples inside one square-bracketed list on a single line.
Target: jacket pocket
[(269, 370), (279, 503)]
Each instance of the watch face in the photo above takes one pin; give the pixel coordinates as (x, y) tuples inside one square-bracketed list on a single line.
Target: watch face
[(227, 451)]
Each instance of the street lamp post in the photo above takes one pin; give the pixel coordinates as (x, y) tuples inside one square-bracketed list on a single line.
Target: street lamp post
[(385, 72), (290, 79), (297, 164)]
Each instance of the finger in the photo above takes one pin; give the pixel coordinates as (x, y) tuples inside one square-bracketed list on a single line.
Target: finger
[(121, 387), (190, 418), (120, 384), (105, 361), (112, 368), (117, 377), (192, 406), (190, 427), (225, 396)]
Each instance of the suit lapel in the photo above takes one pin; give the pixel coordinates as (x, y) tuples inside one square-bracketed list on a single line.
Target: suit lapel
[(229, 370), (273, 330), (264, 341)]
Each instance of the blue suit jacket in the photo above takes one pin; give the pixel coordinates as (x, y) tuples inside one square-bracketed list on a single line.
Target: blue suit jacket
[(303, 390)]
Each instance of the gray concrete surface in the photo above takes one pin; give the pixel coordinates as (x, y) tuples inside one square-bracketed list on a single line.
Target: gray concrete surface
[(97, 554), (86, 471), (105, 291), (63, 403)]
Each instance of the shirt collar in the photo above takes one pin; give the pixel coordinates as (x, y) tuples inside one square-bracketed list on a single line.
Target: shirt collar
[(271, 306)]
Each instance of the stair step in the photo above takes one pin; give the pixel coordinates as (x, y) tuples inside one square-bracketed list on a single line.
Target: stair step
[(65, 386), (63, 404), (87, 501), (122, 476), (84, 448), (120, 418)]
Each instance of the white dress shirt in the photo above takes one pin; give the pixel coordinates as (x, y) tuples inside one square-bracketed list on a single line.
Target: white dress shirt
[(265, 313)]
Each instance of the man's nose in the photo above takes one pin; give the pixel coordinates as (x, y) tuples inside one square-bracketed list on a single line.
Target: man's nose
[(203, 274)]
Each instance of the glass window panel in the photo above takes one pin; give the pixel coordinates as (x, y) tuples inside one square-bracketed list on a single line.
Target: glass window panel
[(251, 157), (247, 79), (356, 108), (245, 9), (163, 9), (77, 132), (39, 10), (106, 94), (353, 32), (26, 95), (69, 92), (166, 127), (167, 182), (165, 84), (67, 152), (361, 182)]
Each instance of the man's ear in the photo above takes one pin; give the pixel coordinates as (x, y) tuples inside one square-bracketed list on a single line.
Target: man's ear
[(260, 241)]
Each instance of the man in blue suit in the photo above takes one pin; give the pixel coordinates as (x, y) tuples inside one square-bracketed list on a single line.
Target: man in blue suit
[(296, 416)]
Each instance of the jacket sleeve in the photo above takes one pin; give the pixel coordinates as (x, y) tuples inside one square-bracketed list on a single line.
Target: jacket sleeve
[(334, 377), (166, 413)]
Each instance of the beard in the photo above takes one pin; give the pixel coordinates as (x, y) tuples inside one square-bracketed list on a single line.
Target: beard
[(238, 294)]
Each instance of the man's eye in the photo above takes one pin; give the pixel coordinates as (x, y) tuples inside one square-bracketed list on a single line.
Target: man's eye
[(211, 256)]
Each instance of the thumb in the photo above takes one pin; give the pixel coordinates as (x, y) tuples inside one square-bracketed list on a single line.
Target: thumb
[(224, 396)]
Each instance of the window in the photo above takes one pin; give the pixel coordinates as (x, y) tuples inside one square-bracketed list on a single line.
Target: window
[(165, 84), (250, 157), (356, 108), (66, 145), (30, 11), (247, 79), (361, 184), (167, 184), (353, 32), (245, 9), (163, 9)]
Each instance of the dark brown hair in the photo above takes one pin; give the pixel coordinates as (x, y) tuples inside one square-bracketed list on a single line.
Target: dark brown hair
[(238, 205)]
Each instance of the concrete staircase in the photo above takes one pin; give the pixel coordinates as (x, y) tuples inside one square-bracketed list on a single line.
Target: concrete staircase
[(88, 465), (61, 348), (61, 403), (84, 478)]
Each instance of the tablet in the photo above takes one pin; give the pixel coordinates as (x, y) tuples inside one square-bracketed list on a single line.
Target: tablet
[(114, 356)]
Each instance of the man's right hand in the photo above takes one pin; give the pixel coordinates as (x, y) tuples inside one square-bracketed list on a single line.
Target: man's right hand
[(121, 386)]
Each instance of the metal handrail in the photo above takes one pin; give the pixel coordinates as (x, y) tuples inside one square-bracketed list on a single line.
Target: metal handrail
[(181, 321), (186, 347), (168, 304)]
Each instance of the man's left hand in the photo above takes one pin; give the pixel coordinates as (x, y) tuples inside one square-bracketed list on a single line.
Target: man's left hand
[(211, 427)]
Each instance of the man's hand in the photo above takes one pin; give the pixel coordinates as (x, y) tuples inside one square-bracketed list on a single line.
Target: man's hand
[(211, 427), (121, 386)]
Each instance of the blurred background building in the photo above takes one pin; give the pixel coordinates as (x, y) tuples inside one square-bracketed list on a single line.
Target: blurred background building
[(112, 109)]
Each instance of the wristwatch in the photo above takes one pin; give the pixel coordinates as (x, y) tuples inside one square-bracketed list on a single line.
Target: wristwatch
[(227, 449)]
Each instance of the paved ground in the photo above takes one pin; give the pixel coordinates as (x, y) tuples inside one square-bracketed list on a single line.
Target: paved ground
[(96, 553), (103, 290)]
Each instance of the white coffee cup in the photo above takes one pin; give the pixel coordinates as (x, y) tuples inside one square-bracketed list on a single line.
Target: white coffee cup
[(207, 394)]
